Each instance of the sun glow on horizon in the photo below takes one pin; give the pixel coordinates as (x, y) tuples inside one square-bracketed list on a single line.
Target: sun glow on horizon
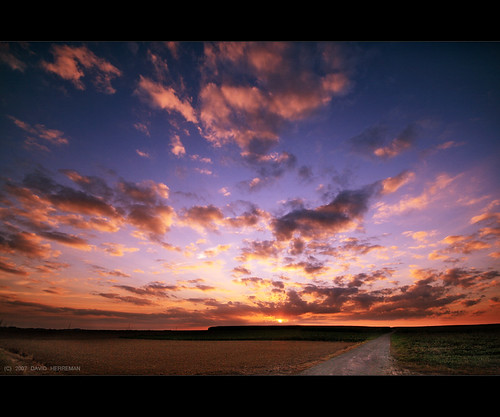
[(191, 184)]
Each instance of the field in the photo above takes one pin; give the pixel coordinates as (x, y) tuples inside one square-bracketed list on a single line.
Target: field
[(448, 350), (246, 350), (218, 351)]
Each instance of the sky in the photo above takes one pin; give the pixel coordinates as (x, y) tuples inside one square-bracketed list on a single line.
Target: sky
[(182, 185)]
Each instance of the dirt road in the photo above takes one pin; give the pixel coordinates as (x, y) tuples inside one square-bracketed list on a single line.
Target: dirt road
[(371, 358)]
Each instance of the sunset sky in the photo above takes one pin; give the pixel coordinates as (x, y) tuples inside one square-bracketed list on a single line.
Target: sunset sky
[(182, 185)]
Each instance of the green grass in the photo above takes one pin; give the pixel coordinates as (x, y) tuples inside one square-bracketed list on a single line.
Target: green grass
[(449, 350)]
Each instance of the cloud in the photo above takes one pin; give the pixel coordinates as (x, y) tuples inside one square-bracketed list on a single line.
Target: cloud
[(211, 252), (262, 250), (9, 58), (117, 249), (91, 184), (43, 205), (310, 267), (434, 190), (70, 200), (159, 289), (274, 86), (40, 136), (143, 154), (147, 191), (464, 244), (250, 218), (434, 295), (25, 243), (368, 140), (176, 146), (364, 278), (105, 272), (392, 184), (342, 214), (203, 218), (67, 239), (164, 98), (399, 144), (257, 282), (465, 278), (127, 299), (11, 268), (72, 63), (155, 220), (373, 141)]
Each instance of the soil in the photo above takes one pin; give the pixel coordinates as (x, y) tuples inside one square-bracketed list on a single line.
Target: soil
[(115, 356)]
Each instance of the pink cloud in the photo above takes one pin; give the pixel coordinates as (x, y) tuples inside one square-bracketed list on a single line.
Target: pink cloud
[(72, 64), (287, 89), (165, 98), (40, 132)]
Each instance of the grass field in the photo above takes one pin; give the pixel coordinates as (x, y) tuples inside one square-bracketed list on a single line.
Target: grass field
[(448, 350)]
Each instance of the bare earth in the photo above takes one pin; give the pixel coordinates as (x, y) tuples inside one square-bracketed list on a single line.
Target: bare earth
[(371, 358), (115, 356)]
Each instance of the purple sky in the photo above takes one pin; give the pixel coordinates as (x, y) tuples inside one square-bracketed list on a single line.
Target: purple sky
[(161, 185)]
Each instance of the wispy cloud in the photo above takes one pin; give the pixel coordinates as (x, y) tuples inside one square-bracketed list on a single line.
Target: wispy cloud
[(40, 136), (165, 98), (72, 63)]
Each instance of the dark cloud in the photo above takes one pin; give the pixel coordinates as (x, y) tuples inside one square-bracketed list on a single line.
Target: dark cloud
[(66, 239), (240, 270), (343, 213), (156, 289), (155, 220), (28, 244), (147, 192), (402, 142), (311, 266), (367, 141), (132, 300), (373, 141), (305, 173), (465, 278), (208, 217), (364, 278), (91, 184), (95, 205)]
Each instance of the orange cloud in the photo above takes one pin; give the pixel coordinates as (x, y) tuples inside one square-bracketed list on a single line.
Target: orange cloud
[(399, 144), (117, 249), (153, 219), (11, 268), (203, 217), (177, 148), (147, 191), (392, 184), (165, 98), (253, 115), (72, 64), (39, 131), (28, 244), (432, 192)]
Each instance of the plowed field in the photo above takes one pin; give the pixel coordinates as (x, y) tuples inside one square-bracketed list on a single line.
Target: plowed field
[(116, 356)]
